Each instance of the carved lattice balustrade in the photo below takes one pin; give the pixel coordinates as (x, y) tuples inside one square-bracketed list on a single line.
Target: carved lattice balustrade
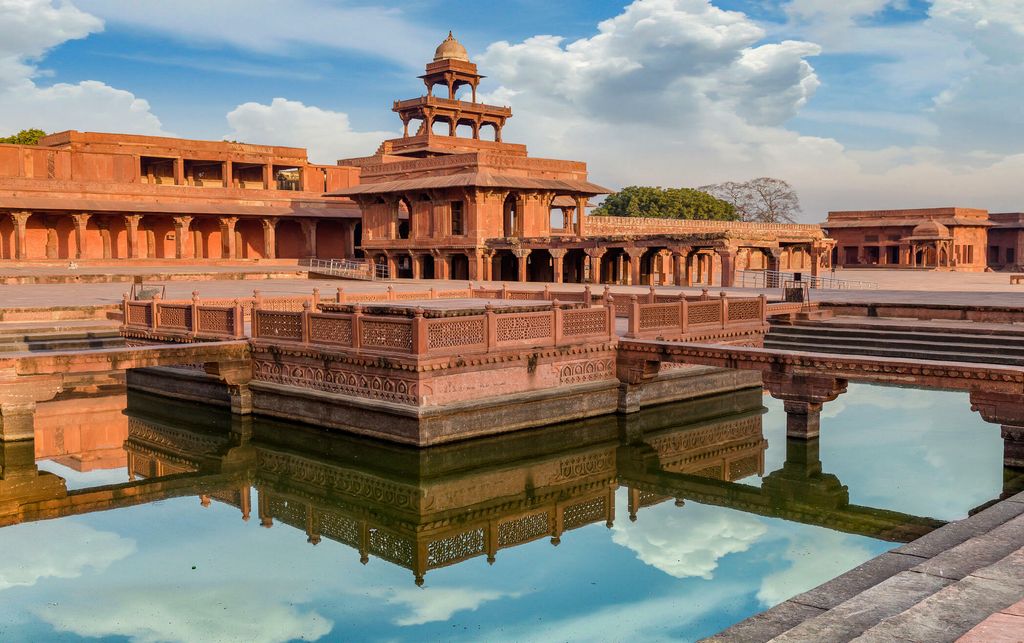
[(684, 317)]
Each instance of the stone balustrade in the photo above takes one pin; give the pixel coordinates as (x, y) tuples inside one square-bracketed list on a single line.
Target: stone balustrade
[(682, 318), (429, 332)]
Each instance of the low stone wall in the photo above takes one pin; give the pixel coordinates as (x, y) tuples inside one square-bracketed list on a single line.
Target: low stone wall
[(990, 314)]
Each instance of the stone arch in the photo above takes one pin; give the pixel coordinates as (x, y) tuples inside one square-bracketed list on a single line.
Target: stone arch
[(426, 266), (504, 266), (291, 242), (158, 232), (540, 266), (249, 239), (459, 267), (511, 215), (206, 238), (574, 266)]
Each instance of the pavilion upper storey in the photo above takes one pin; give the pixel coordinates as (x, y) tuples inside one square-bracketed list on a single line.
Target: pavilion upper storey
[(133, 160)]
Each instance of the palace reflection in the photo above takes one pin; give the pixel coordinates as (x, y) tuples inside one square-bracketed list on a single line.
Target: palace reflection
[(424, 509)]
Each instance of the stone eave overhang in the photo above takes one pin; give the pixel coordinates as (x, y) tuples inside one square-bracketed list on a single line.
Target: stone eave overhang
[(480, 179)]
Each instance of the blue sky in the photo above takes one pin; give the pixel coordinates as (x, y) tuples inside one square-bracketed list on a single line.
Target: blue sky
[(866, 103)]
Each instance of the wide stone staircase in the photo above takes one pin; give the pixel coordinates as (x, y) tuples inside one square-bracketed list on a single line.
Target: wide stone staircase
[(905, 339), (934, 589), (59, 335)]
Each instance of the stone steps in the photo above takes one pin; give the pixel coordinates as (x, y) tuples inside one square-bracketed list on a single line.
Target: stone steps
[(960, 345), (934, 589), (59, 336)]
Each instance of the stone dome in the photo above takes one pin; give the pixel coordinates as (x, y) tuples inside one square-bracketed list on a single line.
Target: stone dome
[(451, 49), (930, 230)]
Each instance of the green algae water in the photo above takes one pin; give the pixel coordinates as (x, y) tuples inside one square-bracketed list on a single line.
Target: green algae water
[(671, 524)]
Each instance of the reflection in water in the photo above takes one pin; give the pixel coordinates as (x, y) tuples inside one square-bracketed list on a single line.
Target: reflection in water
[(691, 477)]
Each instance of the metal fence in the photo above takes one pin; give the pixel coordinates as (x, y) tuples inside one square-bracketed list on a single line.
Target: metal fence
[(347, 268), (775, 279)]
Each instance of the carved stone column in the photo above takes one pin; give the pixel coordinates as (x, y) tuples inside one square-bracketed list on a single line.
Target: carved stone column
[(802, 397), (681, 265), (635, 255), (595, 255), (557, 257), (522, 256), (581, 209), (269, 237), (309, 231), (728, 256), (131, 224), (227, 237), (81, 219), (181, 236), (20, 220)]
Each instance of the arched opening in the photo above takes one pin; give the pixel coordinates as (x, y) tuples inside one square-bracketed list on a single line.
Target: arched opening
[(206, 239), (60, 238), (504, 266), (652, 269), (510, 216), (404, 224), (614, 266), (574, 266), (159, 236), (464, 129), (37, 238), (459, 267), (330, 239), (426, 266), (540, 266), (357, 234), (249, 239), (115, 238), (488, 132), (440, 127), (94, 239), (291, 242), (403, 265)]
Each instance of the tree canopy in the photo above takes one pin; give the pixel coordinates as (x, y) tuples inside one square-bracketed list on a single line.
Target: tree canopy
[(764, 199), (24, 137), (665, 203)]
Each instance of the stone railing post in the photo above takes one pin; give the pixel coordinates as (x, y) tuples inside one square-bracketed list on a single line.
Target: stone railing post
[(316, 298), (391, 293), (341, 295), (490, 326), (556, 311), (257, 299), (684, 313), (724, 306), (433, 293), (124, 309), (504, 291), (588, 299), (652, 298), (239, 326), (305, 322), (195, 313), (704, 296), (155, 316), (764, 308), (357, 322), (419, 333), (609, 312), (634, 317)]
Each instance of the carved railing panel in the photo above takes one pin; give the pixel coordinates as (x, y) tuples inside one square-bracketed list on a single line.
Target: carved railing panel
[(456, 333), (455, 548)]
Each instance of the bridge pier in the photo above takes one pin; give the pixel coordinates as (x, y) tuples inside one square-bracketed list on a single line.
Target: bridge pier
[(1006, 410), (236, 375), (18, 398), (801, 478), (802, 397)]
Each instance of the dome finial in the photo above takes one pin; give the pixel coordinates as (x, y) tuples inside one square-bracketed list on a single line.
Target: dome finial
[(451, 49)]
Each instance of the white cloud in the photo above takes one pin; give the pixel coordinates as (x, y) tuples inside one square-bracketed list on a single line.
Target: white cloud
[(222, 613), (92, 551), (432, 604), (689, 541), (327, 135), (814, 558), (30, 28), (277, 27)]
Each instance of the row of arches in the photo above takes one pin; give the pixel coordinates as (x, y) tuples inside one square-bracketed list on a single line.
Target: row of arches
[(58, 237)]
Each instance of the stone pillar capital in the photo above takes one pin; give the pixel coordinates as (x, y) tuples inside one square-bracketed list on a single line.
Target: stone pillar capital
[(81, 218), (183, 221), (595, 253), (522, 253), (557, 253), (269, 222)]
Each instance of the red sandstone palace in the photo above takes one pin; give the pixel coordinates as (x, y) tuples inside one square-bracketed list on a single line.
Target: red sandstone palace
[(449, 199)]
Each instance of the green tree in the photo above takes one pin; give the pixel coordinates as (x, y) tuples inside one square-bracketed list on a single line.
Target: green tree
[(25, 137), (665, 203)]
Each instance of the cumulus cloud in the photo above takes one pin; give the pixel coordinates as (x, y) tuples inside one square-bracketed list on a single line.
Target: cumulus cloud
[(30, 28), (240, 613), (688, 542), (433, 604), (327, 135), (813, 558), (92, 551)]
